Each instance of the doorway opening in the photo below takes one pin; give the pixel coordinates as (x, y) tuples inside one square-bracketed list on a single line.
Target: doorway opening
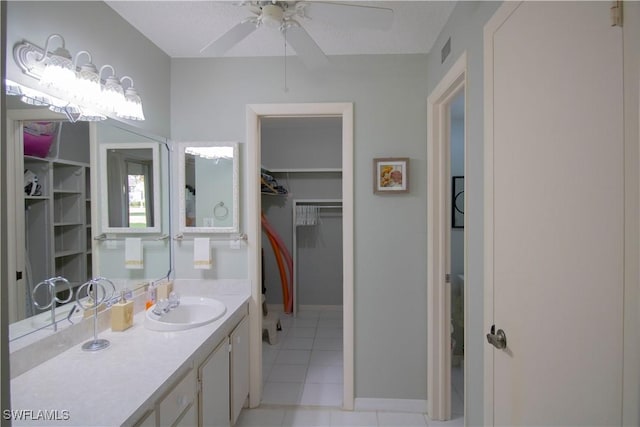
[(446, 247), (255, 115), (457, 250), (301, 188)]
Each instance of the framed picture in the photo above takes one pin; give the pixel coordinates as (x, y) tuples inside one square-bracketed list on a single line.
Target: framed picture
[(391, 175), (457, 202)]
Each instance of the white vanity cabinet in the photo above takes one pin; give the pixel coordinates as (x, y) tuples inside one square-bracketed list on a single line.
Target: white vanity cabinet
[(214, 389), (224, 379), (177, 408), (239, 368), (213, 379)]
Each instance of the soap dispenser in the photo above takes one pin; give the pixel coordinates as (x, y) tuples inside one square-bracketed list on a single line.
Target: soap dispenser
[(164, 290), (122, 314)]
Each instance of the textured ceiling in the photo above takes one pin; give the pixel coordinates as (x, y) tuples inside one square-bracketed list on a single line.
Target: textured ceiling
[(182, 28)]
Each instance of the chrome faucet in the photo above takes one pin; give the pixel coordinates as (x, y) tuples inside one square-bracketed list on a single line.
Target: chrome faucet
[(166, 305)]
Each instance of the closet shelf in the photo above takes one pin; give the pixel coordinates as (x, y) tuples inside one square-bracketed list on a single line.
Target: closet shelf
[(60, 191), (61, 254)]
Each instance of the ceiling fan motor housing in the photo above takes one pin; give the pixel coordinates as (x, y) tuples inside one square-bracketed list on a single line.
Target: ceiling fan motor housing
[(272, 15)]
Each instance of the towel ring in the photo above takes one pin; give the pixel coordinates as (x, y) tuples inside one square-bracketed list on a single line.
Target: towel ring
[(50, 284), (220, 211)]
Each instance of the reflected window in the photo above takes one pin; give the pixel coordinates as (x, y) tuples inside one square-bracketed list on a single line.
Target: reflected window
[(137, 202)]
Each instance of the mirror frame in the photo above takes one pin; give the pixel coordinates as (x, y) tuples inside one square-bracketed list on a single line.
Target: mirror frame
[(104, 193), (234, 228)]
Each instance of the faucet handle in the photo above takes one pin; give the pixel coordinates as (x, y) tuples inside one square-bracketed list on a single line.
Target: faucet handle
[(161, 307), (174, 300)]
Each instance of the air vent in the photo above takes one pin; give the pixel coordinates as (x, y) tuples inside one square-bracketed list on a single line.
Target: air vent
[(446, 50)]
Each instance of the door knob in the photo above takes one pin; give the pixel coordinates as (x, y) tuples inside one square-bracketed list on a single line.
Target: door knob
[(497, 339)]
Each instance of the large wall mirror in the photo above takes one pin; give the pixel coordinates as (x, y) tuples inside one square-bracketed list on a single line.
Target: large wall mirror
[(58, 215), (129, 187), (208, 187)]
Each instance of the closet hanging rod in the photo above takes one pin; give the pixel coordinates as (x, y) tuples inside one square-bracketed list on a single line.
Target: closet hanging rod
[(237, 237), (103, 237)]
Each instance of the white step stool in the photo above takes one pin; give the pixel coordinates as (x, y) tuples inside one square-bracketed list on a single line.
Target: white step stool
[(271, 324)]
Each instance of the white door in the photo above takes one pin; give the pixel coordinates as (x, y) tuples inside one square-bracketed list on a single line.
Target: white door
[(554, 214)]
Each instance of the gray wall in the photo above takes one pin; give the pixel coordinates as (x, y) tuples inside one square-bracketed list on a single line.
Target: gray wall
[(93, 26), (389, 93), (465, 27)]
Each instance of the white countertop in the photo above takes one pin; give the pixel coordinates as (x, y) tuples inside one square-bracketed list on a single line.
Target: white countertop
[(117, 385)]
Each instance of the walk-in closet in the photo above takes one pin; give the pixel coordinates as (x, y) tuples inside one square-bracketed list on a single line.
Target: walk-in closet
[(302, 205)]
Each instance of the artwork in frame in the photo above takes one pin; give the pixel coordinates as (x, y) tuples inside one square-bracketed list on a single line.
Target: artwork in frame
[(391, 175), (457, 202)]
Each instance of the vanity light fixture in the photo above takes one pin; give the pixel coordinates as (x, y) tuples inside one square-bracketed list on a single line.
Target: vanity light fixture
[(58, 71), (77, 91), (87, 87), (112, 94), (210, 153), (132, 105)]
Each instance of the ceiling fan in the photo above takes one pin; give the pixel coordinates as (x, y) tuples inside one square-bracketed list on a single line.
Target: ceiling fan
[(284, 16)]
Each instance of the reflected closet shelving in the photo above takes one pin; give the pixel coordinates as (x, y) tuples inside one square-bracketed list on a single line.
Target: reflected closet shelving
[(57, 222)]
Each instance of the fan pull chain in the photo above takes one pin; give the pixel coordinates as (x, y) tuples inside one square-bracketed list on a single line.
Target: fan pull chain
[(286, 89)]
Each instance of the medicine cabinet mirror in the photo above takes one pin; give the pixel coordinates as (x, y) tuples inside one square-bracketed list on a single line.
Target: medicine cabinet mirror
[(130, 187), (208, 187)]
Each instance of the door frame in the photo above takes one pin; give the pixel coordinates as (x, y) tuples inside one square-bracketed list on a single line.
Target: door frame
[(254, 112), (438, 242)]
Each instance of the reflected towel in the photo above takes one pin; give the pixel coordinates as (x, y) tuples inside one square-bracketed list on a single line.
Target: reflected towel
[(202, 253), (133, 253)]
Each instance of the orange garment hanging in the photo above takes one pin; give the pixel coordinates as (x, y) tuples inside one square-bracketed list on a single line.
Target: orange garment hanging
[(281, 248)]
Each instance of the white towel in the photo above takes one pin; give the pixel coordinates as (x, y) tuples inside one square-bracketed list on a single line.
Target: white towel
[(202, 253), (133, 253)]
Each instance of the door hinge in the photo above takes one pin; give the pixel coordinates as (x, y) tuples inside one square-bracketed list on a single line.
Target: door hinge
[(230, 347), (616, 13), (447, 278)]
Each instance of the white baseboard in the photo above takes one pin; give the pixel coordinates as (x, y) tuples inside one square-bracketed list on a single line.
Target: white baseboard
[(395, 405), (303, 307), (278, 307)]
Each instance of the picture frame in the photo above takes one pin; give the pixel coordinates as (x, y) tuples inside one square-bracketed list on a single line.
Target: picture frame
[(457, 202), (391, 175)]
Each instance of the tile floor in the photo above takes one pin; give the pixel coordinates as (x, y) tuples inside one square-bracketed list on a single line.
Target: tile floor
[(305, 366), (302, 377)]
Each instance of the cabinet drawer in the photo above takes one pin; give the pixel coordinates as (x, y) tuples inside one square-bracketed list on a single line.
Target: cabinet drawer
[(179, 399)]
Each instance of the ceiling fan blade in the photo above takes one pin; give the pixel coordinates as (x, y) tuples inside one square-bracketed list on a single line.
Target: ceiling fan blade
[(349, 16), (306, 48), (221, 45)]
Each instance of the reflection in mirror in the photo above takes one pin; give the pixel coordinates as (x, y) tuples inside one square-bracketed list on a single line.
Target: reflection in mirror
[(57, 222), (137, 210), (48, 179), (130, 175), (208, 187)]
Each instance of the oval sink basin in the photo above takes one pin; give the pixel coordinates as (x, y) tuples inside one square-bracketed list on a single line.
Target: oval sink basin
[(191, 313)]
